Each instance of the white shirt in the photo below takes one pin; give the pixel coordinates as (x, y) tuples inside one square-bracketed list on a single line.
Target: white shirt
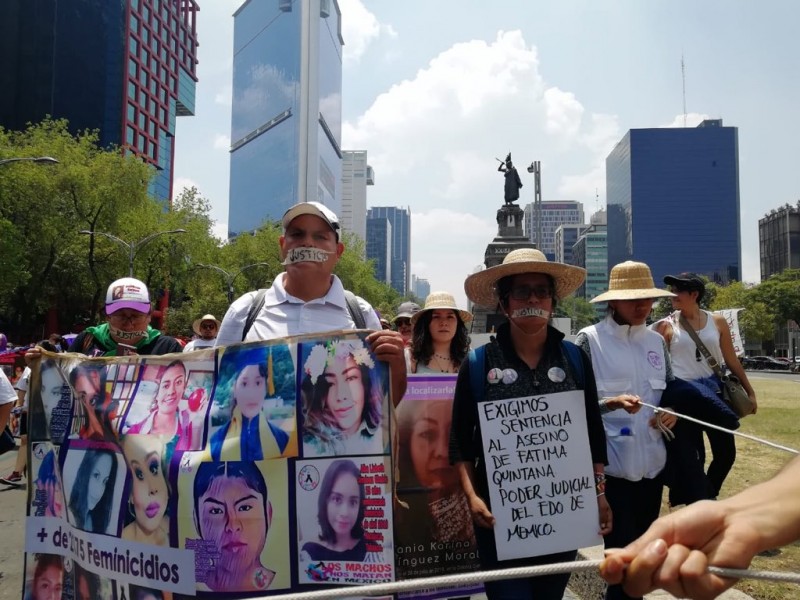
[(199, 343), (687, 362), (284, 315), (23, 384), (629, 360), (7, 393)]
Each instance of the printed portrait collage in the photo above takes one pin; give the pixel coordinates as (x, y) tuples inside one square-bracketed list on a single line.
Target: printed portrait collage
[(238, 472)]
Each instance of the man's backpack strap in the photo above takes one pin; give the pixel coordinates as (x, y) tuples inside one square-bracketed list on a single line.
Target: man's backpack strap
[(255, 308), (355, 310), (573, 354)]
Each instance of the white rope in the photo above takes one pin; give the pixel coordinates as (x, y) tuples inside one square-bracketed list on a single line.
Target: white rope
[(465, 579), (718, 428)]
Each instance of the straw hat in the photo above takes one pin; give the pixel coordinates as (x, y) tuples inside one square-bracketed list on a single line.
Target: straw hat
[(441, 300), (631, 281), (196, 324), (481, 286)]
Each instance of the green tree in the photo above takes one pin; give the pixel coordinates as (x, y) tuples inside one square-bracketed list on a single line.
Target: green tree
[(581, 311), (781, 293), (756, 321)]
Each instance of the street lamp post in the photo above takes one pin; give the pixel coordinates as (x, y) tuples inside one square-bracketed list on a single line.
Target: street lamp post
[(229, 279), (133, 247), (45, 160)]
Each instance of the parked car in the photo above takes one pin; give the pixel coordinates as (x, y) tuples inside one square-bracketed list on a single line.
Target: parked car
[(764, 362)]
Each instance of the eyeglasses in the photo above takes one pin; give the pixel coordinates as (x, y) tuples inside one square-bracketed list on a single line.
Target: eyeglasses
[(523, 292), (402, 322), (128, 318), (208, 325)]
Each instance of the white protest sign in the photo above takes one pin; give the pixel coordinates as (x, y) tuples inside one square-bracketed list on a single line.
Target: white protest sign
[(732, 317), (539, 468)]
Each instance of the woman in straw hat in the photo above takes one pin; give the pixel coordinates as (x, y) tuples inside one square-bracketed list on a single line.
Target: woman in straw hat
[(631, 365), (440, 340), (527, 357)]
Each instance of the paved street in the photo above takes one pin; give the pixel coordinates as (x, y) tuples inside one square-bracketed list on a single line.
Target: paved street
[(12, 516)]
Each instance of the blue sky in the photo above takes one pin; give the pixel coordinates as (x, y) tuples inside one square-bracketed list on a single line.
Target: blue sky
[(435, 90)]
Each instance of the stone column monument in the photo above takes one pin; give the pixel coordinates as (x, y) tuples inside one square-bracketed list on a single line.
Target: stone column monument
[(509, 237)]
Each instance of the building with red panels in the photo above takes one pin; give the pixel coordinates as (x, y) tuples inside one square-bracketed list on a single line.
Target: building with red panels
[(124, 67)]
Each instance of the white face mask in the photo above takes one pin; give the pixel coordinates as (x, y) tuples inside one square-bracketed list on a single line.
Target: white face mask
[(127, 337), (530, 311), (305, 254)]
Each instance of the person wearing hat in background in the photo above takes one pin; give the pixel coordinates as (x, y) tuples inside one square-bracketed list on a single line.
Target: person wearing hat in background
[(206, 328), (402, 321), (127, 328), (308, 298), (440, 341), (536, 360), (631, 366), (688, 363)]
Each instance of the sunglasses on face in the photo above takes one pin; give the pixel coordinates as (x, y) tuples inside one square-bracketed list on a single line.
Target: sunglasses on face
[(402, 322), (208, 325), (523, 292)]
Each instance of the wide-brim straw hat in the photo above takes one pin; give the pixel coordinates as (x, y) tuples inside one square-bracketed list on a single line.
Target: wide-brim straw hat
[(481, 287), (443, 301), (196, 324), (631, 281)]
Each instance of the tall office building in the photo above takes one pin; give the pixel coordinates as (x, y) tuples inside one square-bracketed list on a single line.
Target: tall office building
[(554, 214), (379, 247), (420, 287), (565, 238), (779, 240), (286, 121), (673, 200), (356, 176), (400, 218), (591, 253), (124, 67)]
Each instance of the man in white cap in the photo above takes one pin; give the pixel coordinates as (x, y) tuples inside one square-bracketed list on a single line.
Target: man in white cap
[(206, 328), (307, 297), (127, 328)]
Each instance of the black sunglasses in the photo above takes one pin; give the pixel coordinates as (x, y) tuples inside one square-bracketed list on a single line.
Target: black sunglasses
[(523, 292)]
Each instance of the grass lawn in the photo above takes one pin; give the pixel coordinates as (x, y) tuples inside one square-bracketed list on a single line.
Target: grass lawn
[(777, 420)]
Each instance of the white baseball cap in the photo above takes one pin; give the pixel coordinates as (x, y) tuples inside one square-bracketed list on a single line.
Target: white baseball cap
[(127, 293), (312, 208)]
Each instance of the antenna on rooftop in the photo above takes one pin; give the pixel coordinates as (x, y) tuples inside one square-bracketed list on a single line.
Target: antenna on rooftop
[(683, 79), (596, 200)]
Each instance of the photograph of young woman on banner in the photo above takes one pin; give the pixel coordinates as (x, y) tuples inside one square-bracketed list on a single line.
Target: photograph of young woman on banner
[(344, 399), (146, 518), (234, 515), (89, 586), (352, 500), (51, 403), (48, 492), (253, 414), (44, 577), (93, 407), (172, 399), (136, 592), (94, 480), (437, 522)]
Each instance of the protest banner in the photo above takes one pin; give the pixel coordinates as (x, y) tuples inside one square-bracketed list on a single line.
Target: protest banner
[(541, 483), (184, 475), (732, 317), (434, 529)]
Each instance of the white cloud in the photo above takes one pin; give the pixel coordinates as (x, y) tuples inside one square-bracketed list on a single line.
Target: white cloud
[(691, 120), (223, 96), (181, 183), (222, 141), (563, 111), (360, 29), (220, 230)]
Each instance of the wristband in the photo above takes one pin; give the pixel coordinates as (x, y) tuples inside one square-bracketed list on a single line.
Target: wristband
[(601, 494)]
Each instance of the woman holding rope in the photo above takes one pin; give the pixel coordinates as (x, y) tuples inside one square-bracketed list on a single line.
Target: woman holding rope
[(631, 365)]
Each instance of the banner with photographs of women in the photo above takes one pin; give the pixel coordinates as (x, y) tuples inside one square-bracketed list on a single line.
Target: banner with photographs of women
[(178, 476), (433, 524)]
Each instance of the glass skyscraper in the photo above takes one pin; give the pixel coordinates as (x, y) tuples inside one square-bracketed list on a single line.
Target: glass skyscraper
[(287, 109), (400, 268), (124, 67), (673, 201)]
